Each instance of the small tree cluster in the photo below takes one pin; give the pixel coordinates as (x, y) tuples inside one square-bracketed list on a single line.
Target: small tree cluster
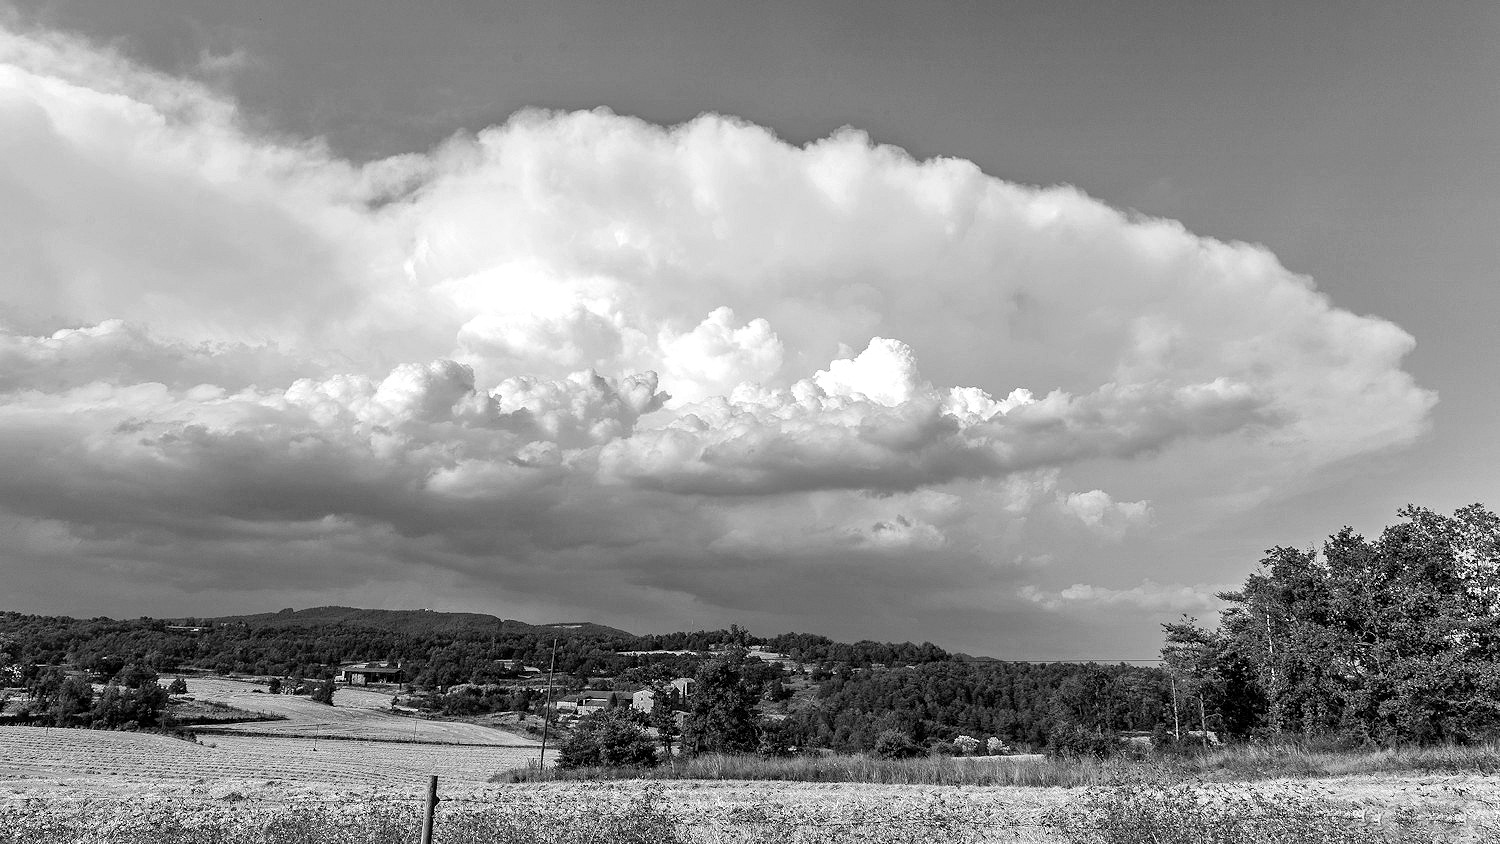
[(1388, 640), (607, 739), (323, 692)]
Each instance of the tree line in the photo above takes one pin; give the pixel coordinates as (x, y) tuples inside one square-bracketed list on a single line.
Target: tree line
[(1383, 641)]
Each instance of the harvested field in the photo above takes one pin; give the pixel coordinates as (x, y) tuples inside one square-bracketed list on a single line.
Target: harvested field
[(50, 778), (355, 714), (727, 812), (86, 761)]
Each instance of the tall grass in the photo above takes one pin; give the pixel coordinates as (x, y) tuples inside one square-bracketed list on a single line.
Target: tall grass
[(1231, 764), (932, 770), (1252, 762)]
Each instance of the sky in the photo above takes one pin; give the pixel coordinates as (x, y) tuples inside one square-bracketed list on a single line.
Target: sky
[(1020, 328)]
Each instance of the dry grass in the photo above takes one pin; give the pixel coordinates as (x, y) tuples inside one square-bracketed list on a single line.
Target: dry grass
[(1290, 760), (1234, 764), (644, 821), (635, 813), (933, 770)]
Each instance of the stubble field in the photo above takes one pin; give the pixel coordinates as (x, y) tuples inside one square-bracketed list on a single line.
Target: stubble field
[(111, 786), (356, 714)]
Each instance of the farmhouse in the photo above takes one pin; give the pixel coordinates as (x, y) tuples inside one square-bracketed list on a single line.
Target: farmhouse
[(588, 701), (643, 700), (367, 673)]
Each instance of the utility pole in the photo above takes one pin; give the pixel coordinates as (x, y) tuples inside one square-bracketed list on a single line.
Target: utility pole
[(547, 708)]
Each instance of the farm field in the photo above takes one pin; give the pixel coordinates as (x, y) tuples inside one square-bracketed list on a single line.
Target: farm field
[(125, 776), (87, 762), (356, 713)]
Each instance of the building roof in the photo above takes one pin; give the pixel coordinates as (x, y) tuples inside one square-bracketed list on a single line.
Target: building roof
[(370, 668)]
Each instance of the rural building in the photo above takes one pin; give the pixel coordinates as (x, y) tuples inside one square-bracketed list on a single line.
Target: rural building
[(684, 685), (588, 701), (774, 658), (643, 701), (369, 673)]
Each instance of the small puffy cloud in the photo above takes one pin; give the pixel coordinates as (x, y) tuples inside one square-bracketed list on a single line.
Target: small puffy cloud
[(899, 534), (1102, 514), (884, 373), (578, 354), (716, 357)]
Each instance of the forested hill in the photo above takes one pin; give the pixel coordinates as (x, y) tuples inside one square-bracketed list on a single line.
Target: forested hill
[(826, 693), (415, 622)]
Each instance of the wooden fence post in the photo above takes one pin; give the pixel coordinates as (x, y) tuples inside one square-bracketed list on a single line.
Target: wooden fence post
[(429, 810)]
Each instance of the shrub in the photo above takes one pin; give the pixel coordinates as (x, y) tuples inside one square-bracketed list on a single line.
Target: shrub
[(1075, 742), (323, 693), (607, 739), (894, 744)]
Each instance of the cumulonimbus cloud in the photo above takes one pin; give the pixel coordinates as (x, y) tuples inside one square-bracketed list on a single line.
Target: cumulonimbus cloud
[(603, 327)]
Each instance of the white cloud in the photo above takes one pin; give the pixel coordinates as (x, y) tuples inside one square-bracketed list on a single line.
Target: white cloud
[(1149, 596), (1103, 515), (581, 354), (715, 357)]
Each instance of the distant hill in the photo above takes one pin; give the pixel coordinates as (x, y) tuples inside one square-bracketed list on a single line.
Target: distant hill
[(426, 622)]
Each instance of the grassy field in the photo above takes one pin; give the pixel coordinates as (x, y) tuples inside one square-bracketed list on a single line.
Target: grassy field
[(131, 788)]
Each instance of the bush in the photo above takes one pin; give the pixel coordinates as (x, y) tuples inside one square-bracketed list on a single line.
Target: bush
[(323, 693), (608, 739), (1074, 742), (894, 744)]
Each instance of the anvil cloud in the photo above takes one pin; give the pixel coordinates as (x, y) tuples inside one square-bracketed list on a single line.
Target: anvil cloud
[(660, 376)]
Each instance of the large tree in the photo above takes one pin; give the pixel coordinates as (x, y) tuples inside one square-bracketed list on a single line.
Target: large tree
[(721, 706)]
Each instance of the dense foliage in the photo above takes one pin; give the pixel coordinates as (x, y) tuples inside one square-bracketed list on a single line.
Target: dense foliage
[(1387, 641), (469, 666), (721, 710), (1022, 704), (610, 738), (132, 699)]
